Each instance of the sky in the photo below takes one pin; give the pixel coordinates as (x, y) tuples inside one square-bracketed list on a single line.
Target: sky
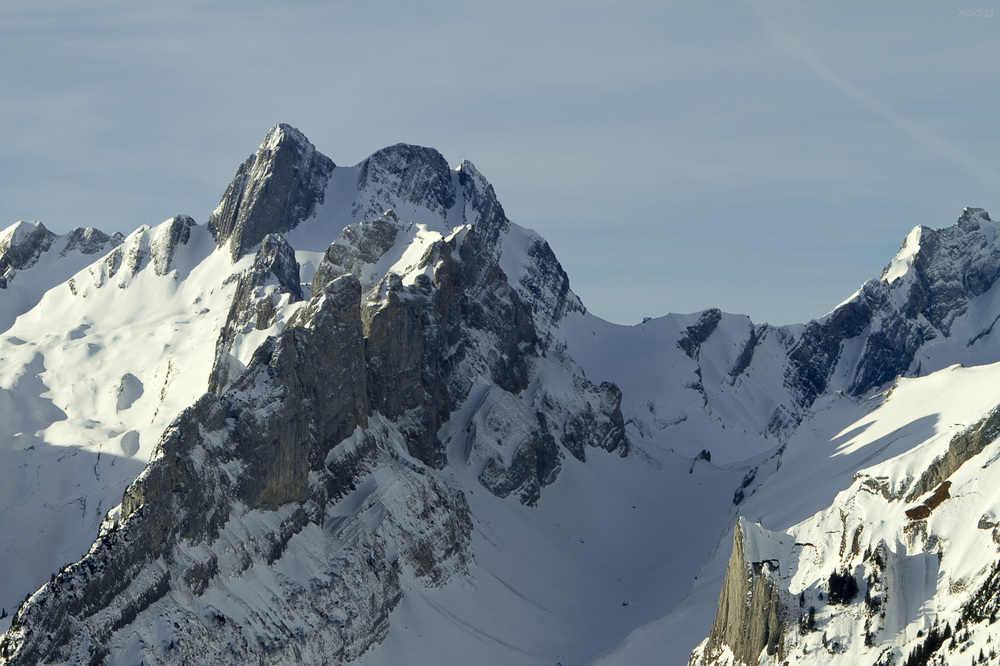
[(765, 158)]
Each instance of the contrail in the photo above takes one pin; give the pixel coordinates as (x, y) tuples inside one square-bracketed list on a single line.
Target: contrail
[(792, 45)]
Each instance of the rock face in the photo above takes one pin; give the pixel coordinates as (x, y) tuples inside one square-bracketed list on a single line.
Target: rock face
[(163, 245), (751, 619), (273, 279), (888, 329), (274, 190), (89, 241), (944, 271), (245, 488), (961, 449), (146, 246), (414, 174), (304, 486), (286, 512), (427, 341), (20, 248)]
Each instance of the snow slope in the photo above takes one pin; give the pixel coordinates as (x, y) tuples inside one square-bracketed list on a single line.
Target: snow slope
[(91, 376)]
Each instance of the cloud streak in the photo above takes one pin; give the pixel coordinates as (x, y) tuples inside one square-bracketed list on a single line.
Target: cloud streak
[(791, 44)]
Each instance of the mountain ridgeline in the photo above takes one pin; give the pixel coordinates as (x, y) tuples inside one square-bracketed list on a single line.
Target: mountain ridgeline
[(381, 395)]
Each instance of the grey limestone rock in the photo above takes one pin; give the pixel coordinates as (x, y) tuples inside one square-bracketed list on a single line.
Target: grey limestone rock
[(751, 616), (22, 247), (163, 246), (699, 332), (545, 287), (427, 343), (407, 174), (89, 241), (536, 463), (962, 447), (894, 319), (246, 485), (274, 190), (358, 246), (276, 480), (274, 273)]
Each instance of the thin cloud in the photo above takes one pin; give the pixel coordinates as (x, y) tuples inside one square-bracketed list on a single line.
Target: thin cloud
[(794, 46)]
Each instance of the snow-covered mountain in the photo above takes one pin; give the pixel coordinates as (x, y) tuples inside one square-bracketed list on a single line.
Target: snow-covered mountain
[(359, 416)]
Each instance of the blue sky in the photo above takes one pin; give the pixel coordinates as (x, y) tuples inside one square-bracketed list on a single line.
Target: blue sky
[(764, 158)]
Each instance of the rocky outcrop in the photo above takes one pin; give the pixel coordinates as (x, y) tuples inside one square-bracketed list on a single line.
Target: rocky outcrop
[(751, 618), (544, 285), (89, 241), (274, 190), (951, 267), (155, 246), (455, 321), (21, 247), (248, 486), (407, 174), (699, 332), (163, 245), (428, 342), (921, 293), (273, 277), (536, 463), (961, 448), (359, 246)]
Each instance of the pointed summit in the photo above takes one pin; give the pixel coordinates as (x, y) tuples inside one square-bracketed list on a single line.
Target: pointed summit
[(22, 243), (274, 190)]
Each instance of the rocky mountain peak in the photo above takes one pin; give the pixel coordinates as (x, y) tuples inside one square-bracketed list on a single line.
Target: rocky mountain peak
[(972, 218), (20, 247), (939, 271), (927, 287), (274, 190), (412, 174), (87, 240)]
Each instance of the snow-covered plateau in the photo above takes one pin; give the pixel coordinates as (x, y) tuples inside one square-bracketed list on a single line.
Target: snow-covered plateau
[(359, 416)]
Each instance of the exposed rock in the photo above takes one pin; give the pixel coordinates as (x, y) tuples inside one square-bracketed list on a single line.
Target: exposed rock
[(162, 246), (535, 464), (545, 286), (698, 333), (756, 335), (89, 241), (308, 472), (961, 448), (21, 247), (141, 248), (129, 390), (273, 191), (247, 485), (409, 174), (428, 342), (274, 273), (814, 358), (483, 209), (920, 294), (585, 426), (359, 245), (751, 618)]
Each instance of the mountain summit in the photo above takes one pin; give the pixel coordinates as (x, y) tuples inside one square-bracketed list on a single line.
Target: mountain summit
[(368, 421)]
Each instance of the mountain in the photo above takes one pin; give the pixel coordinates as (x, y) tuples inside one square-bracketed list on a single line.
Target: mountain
[(359, 416)]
